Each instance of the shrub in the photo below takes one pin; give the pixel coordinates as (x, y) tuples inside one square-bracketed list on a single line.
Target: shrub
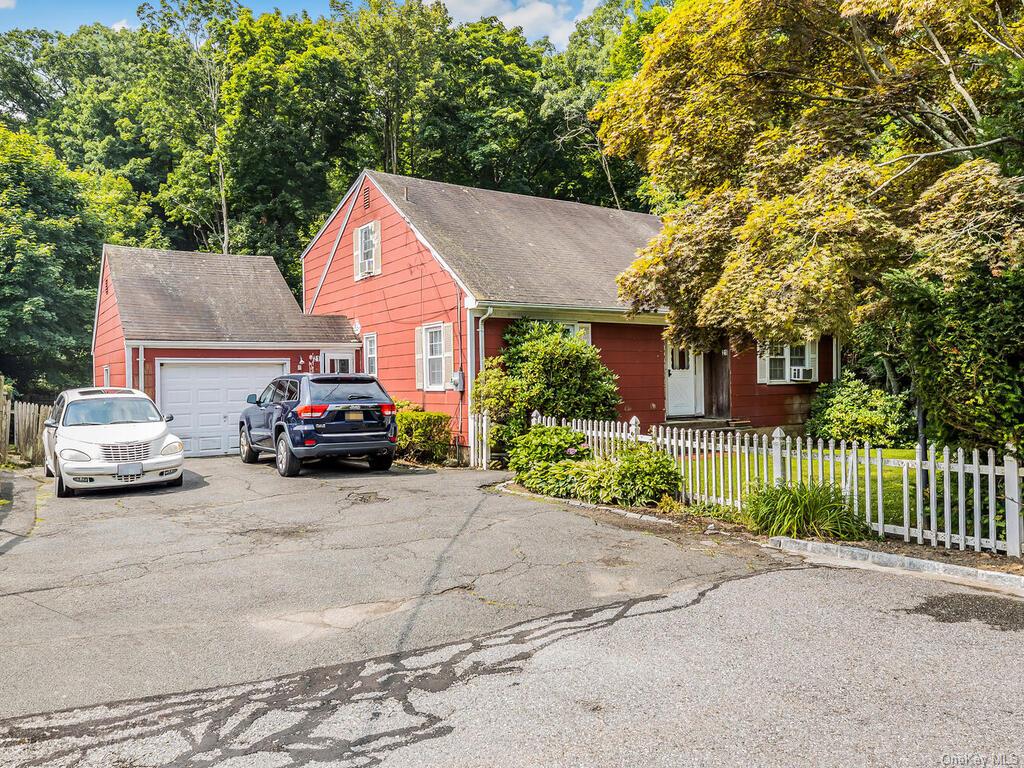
[(643, 475), (407, 405), (548, 444), (594, 480), (547, 370), (804, 510), (849, 409), (423, 435)]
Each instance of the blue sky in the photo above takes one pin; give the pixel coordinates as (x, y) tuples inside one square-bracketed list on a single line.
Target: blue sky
[(554, 18)]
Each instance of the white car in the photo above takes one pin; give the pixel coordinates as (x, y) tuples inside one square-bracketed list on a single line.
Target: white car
[(109, 438)]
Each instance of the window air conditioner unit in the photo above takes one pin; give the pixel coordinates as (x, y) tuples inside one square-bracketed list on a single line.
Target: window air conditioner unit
[(801, 374)]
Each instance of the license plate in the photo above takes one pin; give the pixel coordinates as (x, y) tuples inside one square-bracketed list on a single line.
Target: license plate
[(129, 469), (353, 415)]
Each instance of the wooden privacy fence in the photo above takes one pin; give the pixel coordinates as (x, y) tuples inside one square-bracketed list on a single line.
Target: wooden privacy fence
[(23, 421), (946, 497)]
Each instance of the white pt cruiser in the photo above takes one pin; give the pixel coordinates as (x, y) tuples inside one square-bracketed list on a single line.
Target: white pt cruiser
[(108, 438)]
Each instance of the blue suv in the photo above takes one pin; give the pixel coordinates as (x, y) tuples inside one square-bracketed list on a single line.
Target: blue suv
[(309, 416)]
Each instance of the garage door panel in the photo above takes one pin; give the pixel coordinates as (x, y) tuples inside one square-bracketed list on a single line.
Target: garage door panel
[(206, 400)]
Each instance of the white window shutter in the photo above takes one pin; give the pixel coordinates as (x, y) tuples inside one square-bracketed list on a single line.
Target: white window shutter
[(762, 364), (812, 358), (376, 247), (449, 356), (585, 330), (419, 357), (355, 253)]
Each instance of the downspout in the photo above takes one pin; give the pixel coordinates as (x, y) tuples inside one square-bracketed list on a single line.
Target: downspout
[(480, 335), (142, 368)]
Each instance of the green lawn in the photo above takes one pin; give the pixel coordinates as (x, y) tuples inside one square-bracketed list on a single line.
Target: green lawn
[(893, 489)]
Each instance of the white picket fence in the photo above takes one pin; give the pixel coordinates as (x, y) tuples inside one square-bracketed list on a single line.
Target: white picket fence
[(479, 441), (948, 497)]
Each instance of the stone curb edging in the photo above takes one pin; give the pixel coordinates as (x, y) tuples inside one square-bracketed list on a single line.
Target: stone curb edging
[(504, 488), (845, 553)]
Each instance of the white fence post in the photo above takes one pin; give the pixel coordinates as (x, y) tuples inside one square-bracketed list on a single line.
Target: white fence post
[(486, 440), (634, 428), (777, 475), (1012, 481)]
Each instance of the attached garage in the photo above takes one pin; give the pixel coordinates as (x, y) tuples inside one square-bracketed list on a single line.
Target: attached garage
[(200, 331)]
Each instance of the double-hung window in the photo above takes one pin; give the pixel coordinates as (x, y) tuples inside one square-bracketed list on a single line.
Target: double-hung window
[(365, 245), (370, 353), (433, 356), (776, 362)]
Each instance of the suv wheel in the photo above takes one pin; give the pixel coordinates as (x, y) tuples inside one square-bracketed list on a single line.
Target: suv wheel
[(245, 450), (381, 463), (288, 464)]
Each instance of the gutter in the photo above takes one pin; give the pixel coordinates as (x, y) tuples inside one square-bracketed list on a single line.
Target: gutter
[(480, 336)]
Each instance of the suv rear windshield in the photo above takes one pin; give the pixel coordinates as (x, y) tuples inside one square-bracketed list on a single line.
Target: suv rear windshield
[(344, 390), (110, 410)]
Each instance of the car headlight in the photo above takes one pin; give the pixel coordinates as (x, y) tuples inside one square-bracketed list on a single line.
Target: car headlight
[(70, 454), (175, 446)]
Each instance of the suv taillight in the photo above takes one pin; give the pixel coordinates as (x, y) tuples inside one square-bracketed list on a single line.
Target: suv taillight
[(387, 409), (311, 411)]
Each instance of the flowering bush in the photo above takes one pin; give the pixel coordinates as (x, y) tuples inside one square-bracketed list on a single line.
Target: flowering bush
[(546, 444)]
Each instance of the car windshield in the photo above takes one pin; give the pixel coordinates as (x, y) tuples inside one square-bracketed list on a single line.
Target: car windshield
[(110, 410), (342, 390)]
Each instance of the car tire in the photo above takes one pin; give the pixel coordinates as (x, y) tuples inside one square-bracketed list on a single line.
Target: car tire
[(381, 463), (47, 472), (288, 464), (246, 452), (60, 490), (176, 482)]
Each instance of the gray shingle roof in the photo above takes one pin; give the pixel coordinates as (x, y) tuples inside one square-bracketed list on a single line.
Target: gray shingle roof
[(211, 297), (522, 249)]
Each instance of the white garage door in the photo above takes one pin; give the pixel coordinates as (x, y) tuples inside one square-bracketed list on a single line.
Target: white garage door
[(207, 398)]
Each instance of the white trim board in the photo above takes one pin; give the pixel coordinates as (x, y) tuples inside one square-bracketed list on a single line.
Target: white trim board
[(267, 345)]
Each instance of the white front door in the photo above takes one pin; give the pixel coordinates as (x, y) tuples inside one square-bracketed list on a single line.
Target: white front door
[(684, 395), (206, 399)]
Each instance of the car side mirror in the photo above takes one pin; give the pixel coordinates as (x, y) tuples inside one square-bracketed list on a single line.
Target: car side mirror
[(251, 399), (49, 424), (169, 417)]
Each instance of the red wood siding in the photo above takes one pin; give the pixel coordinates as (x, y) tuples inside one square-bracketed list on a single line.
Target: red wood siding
[(411, 290), (772, 405), (108, 349), (635, 353), (152, 353)]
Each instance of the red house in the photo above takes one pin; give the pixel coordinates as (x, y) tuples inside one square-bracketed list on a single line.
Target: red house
[(431, 274), (199, 331)]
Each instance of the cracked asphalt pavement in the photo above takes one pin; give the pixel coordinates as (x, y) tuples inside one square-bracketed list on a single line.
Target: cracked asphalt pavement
[(418, 618)]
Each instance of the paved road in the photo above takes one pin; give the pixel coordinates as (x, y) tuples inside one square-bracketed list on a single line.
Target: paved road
[(349, 618)]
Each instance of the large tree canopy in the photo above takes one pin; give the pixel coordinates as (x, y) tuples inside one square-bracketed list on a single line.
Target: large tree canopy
[(805, 152)]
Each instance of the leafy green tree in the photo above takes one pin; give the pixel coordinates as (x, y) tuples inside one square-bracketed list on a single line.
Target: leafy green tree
[(398, 48), (180, 100), (50, 241), (293, 120)]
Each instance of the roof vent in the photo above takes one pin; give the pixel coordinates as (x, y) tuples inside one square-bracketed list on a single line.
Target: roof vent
[(405, 193), (366, 197)]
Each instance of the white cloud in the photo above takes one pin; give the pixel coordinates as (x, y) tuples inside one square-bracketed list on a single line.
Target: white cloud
[(536, 17), (7, 4), (117, 26)]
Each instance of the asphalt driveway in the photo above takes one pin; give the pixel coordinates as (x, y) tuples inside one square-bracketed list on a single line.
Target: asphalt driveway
[(419, 618)]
